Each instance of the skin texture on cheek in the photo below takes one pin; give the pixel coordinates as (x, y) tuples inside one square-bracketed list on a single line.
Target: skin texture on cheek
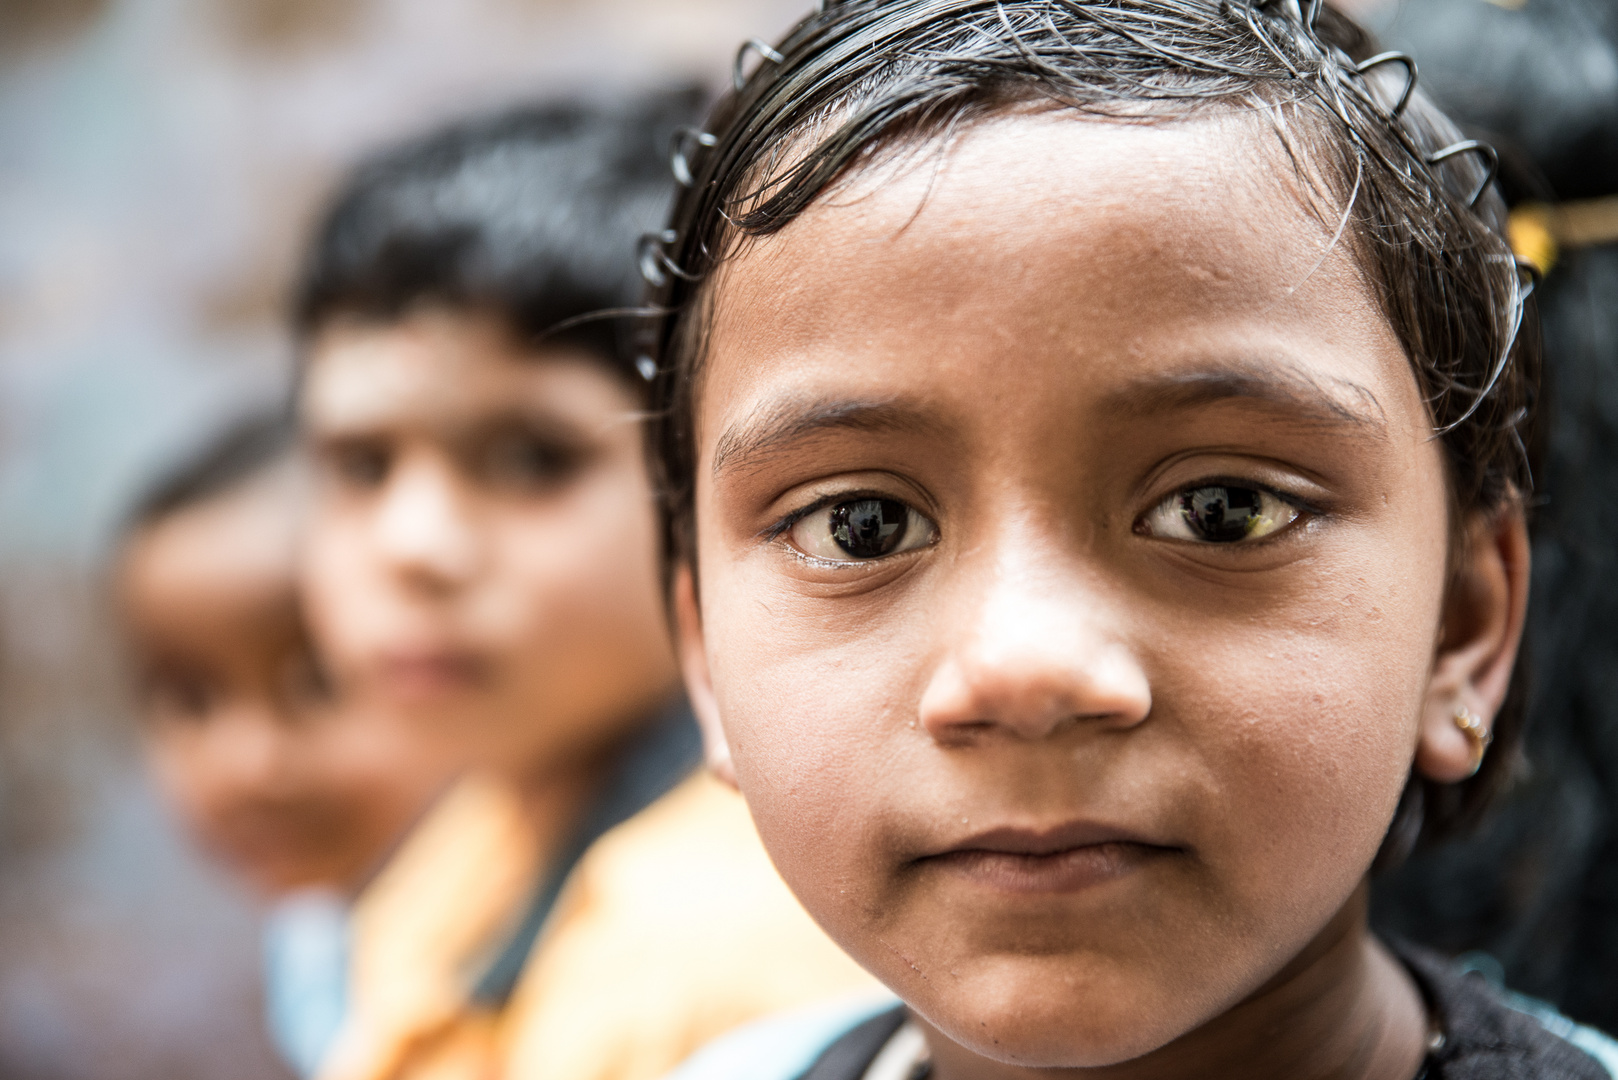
[(1072, 788)]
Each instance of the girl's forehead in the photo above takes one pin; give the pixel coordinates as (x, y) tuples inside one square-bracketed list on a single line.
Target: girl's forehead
[(1080, 255)]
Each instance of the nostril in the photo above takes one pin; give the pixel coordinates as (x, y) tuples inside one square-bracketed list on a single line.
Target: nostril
[(961, 733)]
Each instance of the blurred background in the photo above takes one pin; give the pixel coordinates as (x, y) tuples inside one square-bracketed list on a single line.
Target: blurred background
[(160, 163)]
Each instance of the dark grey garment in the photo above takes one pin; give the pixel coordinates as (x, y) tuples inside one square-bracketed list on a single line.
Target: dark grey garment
[(1483, 1038)]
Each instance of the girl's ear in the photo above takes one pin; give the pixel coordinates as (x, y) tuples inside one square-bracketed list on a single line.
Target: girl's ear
[(698, 681), (1484, 608)]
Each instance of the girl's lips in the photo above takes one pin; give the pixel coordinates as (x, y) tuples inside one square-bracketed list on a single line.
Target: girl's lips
[(1059, 871), (1067, 858), (432, 674)]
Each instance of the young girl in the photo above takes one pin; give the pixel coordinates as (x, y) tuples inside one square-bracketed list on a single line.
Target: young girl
[(300, 792), (1093, 441), (481, 559)]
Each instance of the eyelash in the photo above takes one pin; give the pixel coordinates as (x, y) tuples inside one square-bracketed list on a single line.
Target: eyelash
[(1240, 481), (1307, 511), (784, 525), (1292, 499)]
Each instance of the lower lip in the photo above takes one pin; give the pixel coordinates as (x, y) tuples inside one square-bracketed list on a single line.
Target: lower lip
[(432, 677), (1057, 872)]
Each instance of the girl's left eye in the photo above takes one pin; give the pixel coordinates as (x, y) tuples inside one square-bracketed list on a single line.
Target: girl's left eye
[(521, 461), (862, 529), (1219, 514)]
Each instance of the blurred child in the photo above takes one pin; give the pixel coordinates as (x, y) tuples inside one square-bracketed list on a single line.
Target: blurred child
[(300, 795), (483, 558), (1094, 446)]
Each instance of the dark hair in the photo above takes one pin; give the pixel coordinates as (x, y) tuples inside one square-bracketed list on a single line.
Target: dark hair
[(864, 78), (245, 448), (1537, 887), (531, 214)]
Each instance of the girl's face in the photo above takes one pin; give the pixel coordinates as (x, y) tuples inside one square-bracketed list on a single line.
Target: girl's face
[(288, 785), (482, 555), (1072, 558)]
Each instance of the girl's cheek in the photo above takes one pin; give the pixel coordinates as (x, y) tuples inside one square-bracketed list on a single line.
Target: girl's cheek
[(1306, 739), (811, 712)]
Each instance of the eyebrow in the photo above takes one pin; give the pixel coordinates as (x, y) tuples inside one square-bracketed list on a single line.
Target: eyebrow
[(1343, 403), (501, 419), (775, 427)]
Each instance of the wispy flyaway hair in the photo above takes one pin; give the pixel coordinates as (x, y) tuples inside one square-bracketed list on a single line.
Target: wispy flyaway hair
[(864, 81)]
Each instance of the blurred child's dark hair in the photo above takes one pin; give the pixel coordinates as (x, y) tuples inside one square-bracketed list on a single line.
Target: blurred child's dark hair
[(530, 214), (241, 451), (862, 81)]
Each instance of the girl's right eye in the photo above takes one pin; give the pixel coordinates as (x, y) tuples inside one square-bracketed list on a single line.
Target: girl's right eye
[(183, 698), (361, 464), (861, 529)]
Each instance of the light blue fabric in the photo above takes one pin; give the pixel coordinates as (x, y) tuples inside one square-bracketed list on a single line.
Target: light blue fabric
[(1598, 1045), (306, 942), (781, 1047)]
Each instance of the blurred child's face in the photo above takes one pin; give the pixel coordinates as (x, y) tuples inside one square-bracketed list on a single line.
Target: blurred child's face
[(483, 553), (1072, 557), (288, 787)]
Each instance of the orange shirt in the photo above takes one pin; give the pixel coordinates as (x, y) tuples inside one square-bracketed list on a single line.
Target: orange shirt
[(671, 929)]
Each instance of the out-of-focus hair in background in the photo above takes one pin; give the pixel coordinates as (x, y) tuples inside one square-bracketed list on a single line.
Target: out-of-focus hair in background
[(160, 163)]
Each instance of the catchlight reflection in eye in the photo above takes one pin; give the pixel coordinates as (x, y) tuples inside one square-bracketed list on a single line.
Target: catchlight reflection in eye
[(1220, 514), (860, 530)]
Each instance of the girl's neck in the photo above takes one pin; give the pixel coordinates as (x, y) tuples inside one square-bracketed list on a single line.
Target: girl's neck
[(1343, 1009), (557, 794), (555, 800)]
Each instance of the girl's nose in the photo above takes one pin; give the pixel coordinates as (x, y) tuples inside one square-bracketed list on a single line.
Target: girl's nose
[(1035, 657), (423, 527), (248, 744)]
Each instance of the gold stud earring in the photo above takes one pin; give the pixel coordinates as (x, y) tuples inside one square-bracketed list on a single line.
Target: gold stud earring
[(1477, 733)]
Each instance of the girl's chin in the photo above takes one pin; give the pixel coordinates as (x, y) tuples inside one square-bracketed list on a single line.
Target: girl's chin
[(1047, 1041), (1109, 1023)]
